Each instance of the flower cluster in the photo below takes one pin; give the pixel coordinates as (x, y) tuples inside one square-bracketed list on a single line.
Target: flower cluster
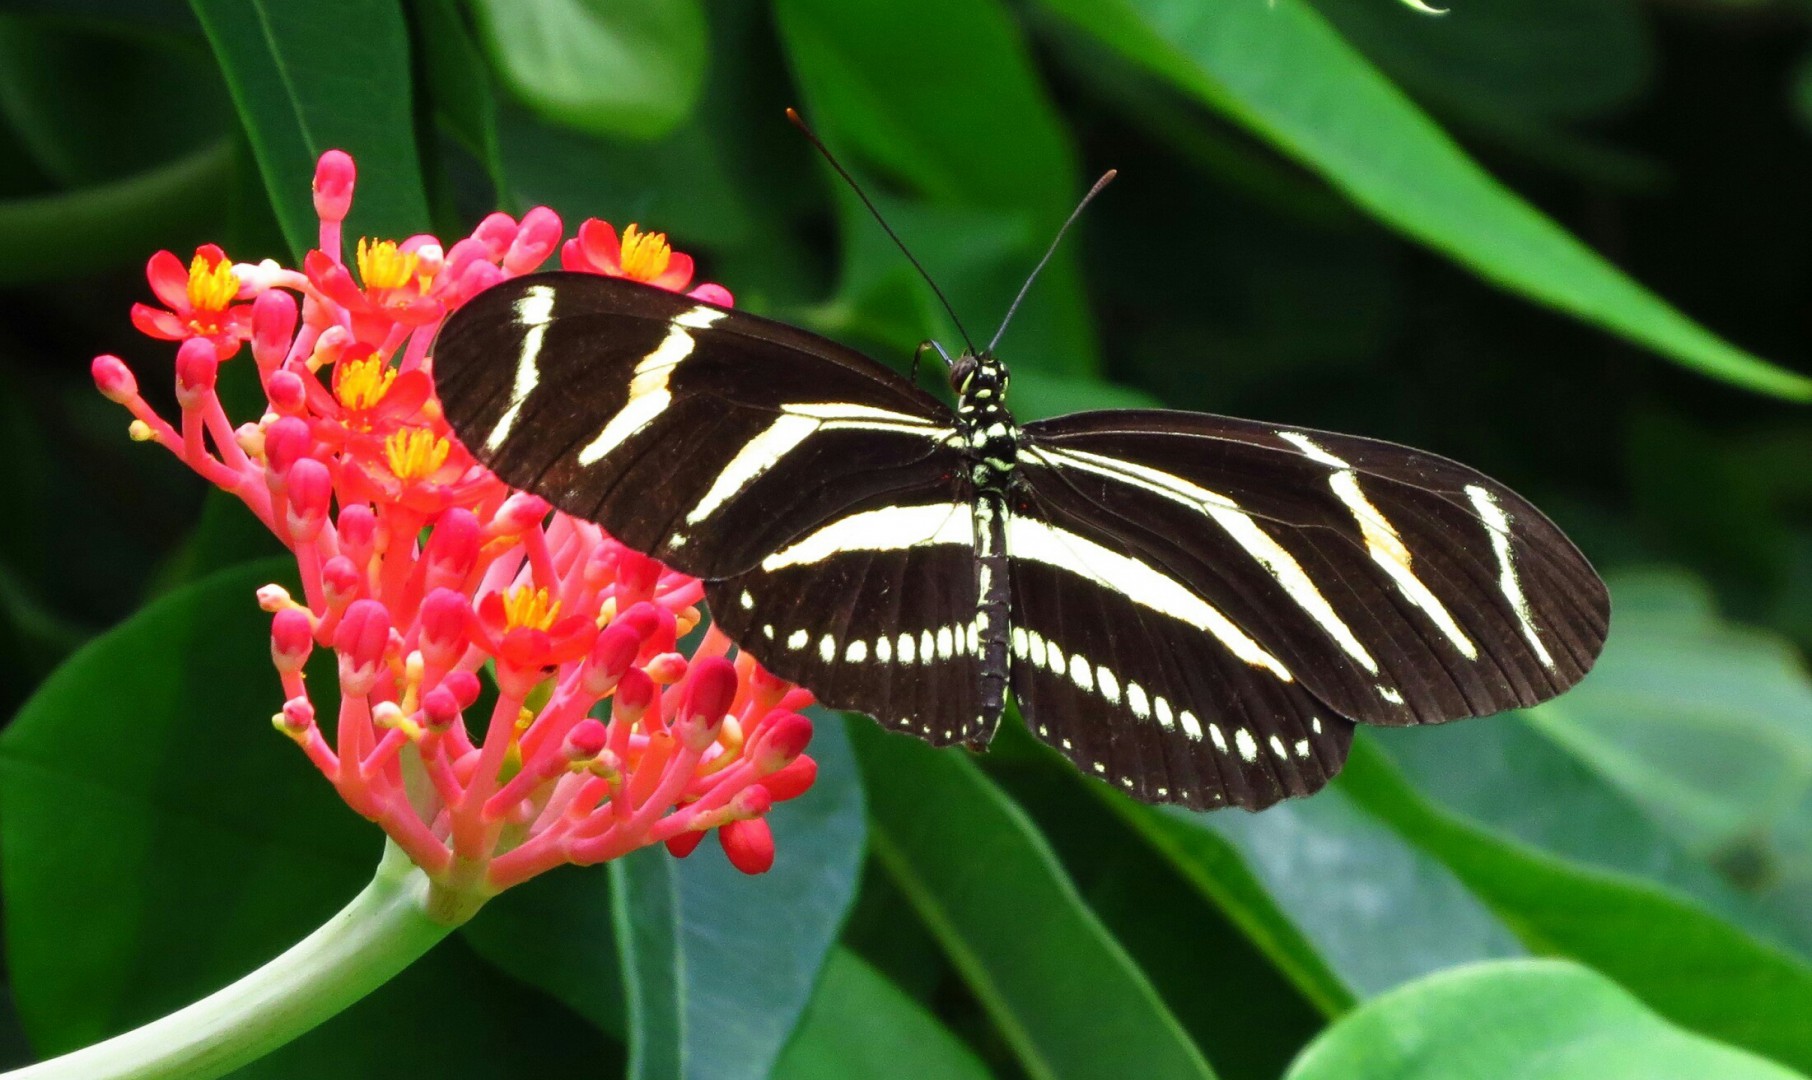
[(442, 594)]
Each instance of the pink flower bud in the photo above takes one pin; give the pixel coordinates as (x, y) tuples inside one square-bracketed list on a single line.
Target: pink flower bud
[(611, 655), (637, 575), (749, 844), (713, 294), (361, 640), (298, 715), (585, 741), (534, 242), (684, 844), (197, 369), (520, 513), (635, 692), (783, 738), (440, 708), (358, 532), (286, 440), (292, 639), (114, 379), (452, 548), (710, 688), (496, 232), (334, 176), (310, 489), (340, 581), (667, 668), (792, 781), (658, 628), (445, 622), (273, 327), (287, 392), (464, 687)]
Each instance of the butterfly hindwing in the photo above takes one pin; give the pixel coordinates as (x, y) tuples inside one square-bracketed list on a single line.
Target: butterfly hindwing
[(704, 437), (874, 611), (1114, 669), (1395, 585)]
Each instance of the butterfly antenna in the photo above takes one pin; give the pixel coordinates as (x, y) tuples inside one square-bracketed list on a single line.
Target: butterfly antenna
[(799, 122), (1106, 178)]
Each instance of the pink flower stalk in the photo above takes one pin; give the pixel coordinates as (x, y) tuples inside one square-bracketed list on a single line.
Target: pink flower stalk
[(428, 578)]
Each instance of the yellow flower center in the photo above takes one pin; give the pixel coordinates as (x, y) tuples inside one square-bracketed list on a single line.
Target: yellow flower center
[(645, 255), (533, 608), (383, 266), (361, 384), (212, 286), (414, 453)]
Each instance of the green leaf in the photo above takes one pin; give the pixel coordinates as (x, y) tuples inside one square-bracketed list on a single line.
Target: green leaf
[(162, 98), (1281, 71), (1341, 903), (876, 79), (861, 1025), (1705, 724), (719, 966), (1485, 773), (610, 69), (295, 105), (554, 932), (1061, 990), (49, 237), (1529, 1019), (158, 840), (1661, 944)]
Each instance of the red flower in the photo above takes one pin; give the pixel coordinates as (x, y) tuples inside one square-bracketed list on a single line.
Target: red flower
[(199, 299)]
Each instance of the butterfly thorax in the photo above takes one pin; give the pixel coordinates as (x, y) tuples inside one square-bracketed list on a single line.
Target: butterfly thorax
[(989, 435)]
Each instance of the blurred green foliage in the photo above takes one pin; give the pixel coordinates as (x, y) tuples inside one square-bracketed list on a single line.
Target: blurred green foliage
[(1562, 240)]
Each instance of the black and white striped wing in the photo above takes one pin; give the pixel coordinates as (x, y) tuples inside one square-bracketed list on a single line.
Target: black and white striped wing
[(875, 611), (1143, 684), (704, 437), (1395, 586), (816, 490)]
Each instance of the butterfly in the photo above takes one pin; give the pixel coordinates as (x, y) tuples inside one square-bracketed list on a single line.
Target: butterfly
[(1193, 608)]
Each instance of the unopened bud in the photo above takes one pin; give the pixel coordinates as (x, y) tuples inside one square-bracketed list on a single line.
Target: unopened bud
[(292, 639), (334, 178), (113, 379), (748, 844)]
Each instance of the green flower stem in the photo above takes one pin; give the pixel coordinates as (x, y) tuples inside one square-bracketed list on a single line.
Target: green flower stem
[(381, 932)]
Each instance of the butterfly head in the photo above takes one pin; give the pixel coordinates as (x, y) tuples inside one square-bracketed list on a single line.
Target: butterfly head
[(978, 380)]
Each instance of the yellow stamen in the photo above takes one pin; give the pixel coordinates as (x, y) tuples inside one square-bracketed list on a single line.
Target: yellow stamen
[(644, 255), (414, 453), (383, 266), (211, 286), (523, 606), (361, 384)]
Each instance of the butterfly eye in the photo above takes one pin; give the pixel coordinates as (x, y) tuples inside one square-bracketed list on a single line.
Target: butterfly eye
[(961, 372)]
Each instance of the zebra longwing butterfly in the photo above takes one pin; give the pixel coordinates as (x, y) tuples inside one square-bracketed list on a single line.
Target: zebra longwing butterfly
[(1195, 609)]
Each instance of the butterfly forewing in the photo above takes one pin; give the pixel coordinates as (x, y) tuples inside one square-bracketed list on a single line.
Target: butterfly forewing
[(1396, 586), (706, 438)]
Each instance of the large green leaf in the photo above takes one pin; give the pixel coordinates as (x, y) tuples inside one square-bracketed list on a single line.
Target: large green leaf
[(1528, 1019), (1705, 724), (611, 69), (158, 840), (876, 78), (94, 228), (1345, 906), (1062, 992), (719, 966), (862, 1025), (295, 105), (1664, 945), (1281, 71)]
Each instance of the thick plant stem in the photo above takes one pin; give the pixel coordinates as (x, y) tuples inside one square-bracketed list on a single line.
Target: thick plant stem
[(381, 932)]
